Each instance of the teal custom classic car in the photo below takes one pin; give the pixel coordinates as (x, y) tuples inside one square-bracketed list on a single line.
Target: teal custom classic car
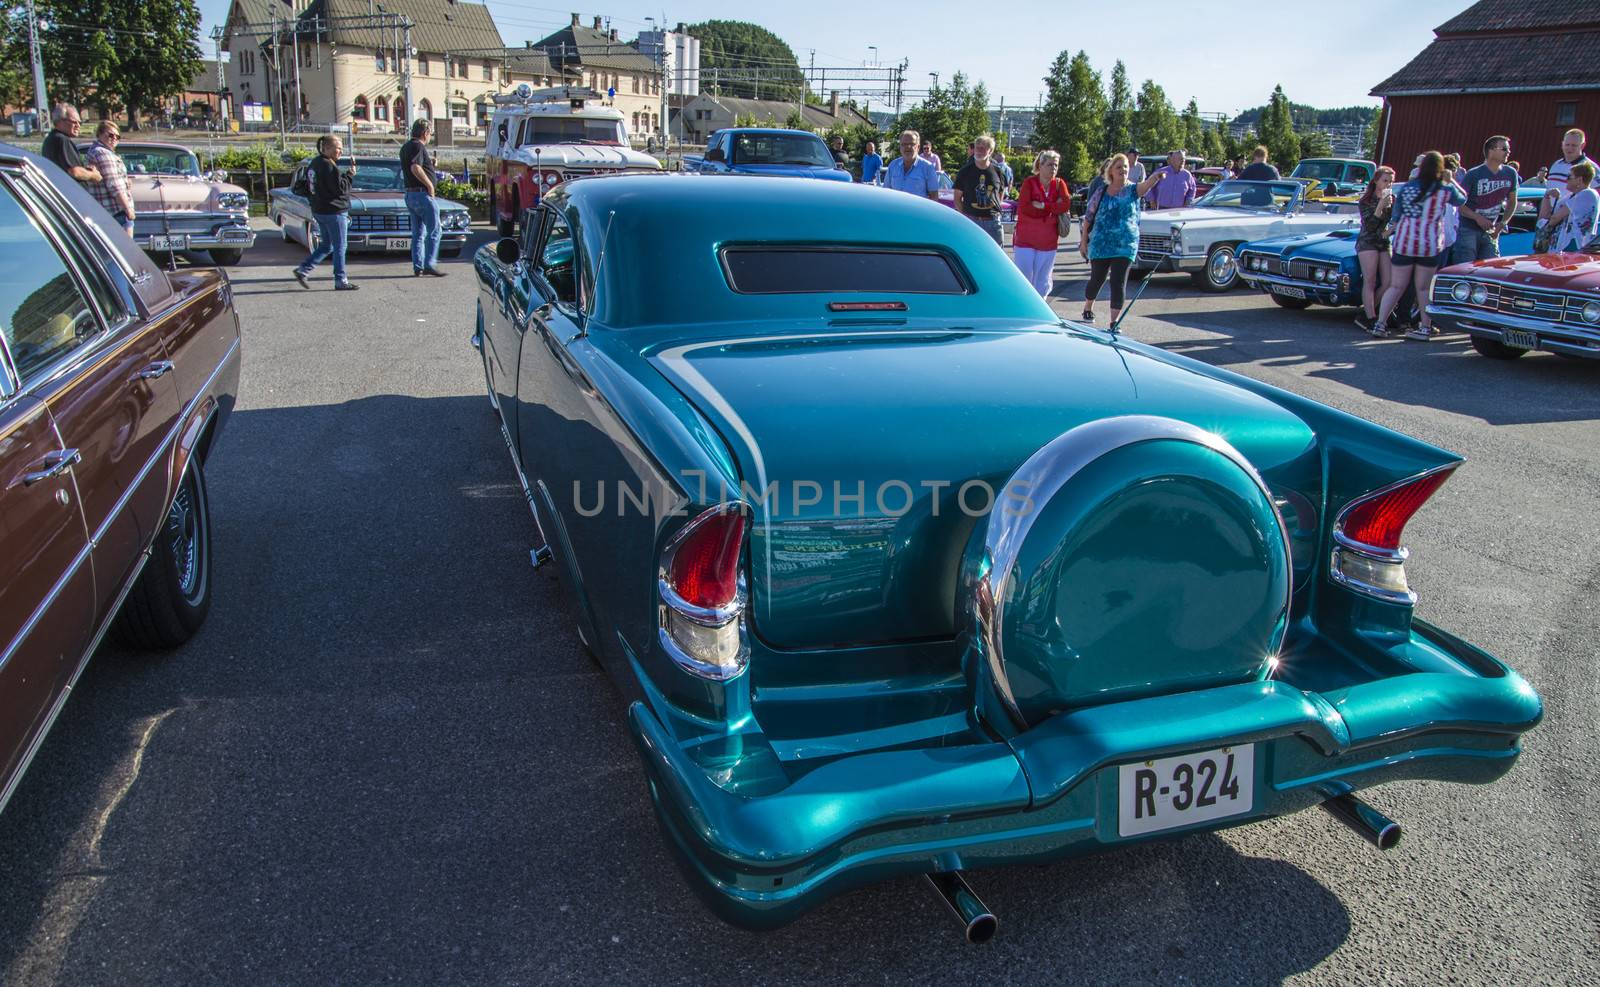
[(904, 574)]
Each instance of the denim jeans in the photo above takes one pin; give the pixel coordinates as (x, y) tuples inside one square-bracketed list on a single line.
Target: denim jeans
[(333, 228), (424, 210), (991, 227), (1473, 244)]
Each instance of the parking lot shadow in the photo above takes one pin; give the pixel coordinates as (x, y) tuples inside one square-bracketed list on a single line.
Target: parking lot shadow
[(386, 757), (1446, 373)]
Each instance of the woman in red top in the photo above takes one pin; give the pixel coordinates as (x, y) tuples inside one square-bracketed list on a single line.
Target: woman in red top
[(1042, 199)]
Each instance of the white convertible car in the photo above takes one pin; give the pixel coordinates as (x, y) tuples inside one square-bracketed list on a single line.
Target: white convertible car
[(1203, 238)]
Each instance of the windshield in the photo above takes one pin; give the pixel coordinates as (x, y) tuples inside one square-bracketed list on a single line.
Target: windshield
[(158, 160), (375, 176), (1322, 171), (569, 130), (1254, 196), (780, 149)]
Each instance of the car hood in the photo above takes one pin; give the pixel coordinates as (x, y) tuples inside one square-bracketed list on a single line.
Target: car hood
[(1335, 247), (175, 193), (389, 202), (1574, 272), (582, 156), (1168, 217), (891, 415), (799, 171)]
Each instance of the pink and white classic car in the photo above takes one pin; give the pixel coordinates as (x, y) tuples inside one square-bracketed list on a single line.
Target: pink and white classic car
[(180, 208)]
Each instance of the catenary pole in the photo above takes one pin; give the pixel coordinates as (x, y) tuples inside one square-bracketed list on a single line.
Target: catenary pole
[(41, 101)]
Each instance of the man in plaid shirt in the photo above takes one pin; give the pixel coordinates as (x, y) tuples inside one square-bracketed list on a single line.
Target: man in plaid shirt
[(112, 189)]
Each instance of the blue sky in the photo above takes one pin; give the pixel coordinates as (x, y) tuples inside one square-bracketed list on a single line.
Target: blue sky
[(1227, 60)]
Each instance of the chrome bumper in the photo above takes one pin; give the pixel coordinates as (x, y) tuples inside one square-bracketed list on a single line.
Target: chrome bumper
[(1170, 263), (220, 230), (1552, 337), (1327, 294), (380, 241)]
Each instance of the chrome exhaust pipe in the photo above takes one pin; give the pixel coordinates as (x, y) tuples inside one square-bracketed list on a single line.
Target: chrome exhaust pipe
[(1374, 827), (958, 896)]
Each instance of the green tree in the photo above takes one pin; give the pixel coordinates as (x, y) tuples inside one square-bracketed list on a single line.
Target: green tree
[(1369, 139), (740, 46), (1214, 145), (137, 54), (1277, 131), (951, 117), (796, 120), (1156, 128), (745, 120), (1315, 144), (1072, 119), (1194, 131), (1119, 114)]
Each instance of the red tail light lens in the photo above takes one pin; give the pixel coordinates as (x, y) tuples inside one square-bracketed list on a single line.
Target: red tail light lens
[(704, 571), (1377, 520)]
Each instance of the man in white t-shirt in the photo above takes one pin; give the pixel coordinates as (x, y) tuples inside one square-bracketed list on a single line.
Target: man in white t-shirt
[(1572, 144)]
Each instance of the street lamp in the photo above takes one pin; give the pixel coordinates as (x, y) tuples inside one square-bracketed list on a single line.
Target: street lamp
[(874, 50), (935, 79)]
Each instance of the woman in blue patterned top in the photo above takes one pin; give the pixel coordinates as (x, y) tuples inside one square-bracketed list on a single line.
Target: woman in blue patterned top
[(1110, 234)]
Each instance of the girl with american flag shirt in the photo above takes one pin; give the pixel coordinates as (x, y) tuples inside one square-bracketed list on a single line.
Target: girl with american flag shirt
[(1419, 216)]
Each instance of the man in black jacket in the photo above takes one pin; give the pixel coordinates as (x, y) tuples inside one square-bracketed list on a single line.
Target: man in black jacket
[(329, 193)]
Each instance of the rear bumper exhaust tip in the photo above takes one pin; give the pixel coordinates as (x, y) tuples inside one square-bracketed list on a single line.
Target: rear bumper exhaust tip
[(1373, 826), (980, 923)]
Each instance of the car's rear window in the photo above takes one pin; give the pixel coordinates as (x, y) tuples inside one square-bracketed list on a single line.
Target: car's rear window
[(799, 270)]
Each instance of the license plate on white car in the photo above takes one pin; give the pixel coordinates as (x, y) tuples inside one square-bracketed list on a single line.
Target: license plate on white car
[(1181, 791), (168, 243), (397, 243), (1288, 291), (1521, 340)]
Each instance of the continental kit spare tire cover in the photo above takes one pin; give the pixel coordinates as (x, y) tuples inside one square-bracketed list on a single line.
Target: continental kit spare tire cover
[(1130, 556)]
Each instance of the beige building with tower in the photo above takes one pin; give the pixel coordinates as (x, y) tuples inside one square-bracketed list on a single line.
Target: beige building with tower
[(344, 61)]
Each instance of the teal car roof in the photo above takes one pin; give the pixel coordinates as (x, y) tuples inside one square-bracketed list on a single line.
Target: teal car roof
[(654, 244)]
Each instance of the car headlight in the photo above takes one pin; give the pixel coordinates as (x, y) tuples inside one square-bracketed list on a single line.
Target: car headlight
[(1461, 292), (1318, 274), (1591, 312), (550, 178), (456, 220), (234, 201), (1480, 295)]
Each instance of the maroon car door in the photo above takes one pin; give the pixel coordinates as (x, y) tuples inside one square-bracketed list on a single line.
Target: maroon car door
[(47, 587), (114, 400)]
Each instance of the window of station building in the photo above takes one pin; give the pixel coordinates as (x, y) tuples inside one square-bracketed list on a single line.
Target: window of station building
[(1566, 114), (359, 111), (380, 108), (422, 64), (488, 71), (381, 59)]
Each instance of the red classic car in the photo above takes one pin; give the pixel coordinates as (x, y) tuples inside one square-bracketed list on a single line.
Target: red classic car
[(1511, 305), (114, 380)]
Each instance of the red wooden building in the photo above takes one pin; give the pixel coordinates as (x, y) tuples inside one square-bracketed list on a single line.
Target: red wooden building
[(1528, 70)]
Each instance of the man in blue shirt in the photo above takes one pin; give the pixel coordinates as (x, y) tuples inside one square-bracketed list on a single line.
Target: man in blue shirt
[(909, 173), (870, 163)]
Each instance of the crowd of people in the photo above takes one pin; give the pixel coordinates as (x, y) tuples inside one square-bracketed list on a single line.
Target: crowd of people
[(1443, 214)]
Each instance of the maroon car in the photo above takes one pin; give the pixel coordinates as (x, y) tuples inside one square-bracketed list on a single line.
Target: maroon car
[(1511, 305), (114, 379)]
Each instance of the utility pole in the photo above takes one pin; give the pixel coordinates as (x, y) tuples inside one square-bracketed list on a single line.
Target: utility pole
[(222, 76), (41, 101), (405, 74)]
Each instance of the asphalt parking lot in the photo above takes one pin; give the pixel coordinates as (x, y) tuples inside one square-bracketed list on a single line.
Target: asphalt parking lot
[(386, 758)]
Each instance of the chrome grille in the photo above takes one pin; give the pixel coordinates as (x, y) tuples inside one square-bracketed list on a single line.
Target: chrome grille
[(1155, 243), (145, 225), (1531, 304), (368, 222)]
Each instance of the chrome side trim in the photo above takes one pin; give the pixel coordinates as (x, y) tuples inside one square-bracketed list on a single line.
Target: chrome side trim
[(164, 448), (50, 597), (1043, 476)]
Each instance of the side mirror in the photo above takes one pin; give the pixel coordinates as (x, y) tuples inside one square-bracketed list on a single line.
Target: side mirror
[(219, 175), (508, 250), (714, 154)]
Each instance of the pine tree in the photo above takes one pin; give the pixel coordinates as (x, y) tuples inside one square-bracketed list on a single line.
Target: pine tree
[(1119, 114), (1156, 129), (1193, 129), (1277, 131), (1072, 120)]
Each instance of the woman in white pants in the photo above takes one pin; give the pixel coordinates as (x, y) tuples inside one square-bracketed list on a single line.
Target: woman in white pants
[(1043, 199)]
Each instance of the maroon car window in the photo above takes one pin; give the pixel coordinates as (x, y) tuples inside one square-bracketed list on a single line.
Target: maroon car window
[(42, 313), (792, 270)]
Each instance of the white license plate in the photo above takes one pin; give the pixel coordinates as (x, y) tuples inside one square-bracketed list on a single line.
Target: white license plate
[(397, 243), (1521, 340), (1185, 790), (168, 243), (1288, 291)]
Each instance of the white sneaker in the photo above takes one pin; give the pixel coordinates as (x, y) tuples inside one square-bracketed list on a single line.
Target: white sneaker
[(1421, 334)]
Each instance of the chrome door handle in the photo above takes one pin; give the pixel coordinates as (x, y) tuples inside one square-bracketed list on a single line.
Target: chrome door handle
[(53, 464), (158, 369)]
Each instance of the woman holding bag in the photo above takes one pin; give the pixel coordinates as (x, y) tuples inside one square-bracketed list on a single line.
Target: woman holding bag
[(1043, 215)]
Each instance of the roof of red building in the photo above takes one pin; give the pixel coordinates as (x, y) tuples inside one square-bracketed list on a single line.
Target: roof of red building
[(1506, 45)]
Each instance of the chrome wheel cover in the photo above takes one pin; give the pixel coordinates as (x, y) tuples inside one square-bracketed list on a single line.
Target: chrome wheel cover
[(1223, 267), (183, 538)]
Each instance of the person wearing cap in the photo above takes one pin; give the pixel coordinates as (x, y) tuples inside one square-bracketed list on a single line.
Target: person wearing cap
[(1135, 166)]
